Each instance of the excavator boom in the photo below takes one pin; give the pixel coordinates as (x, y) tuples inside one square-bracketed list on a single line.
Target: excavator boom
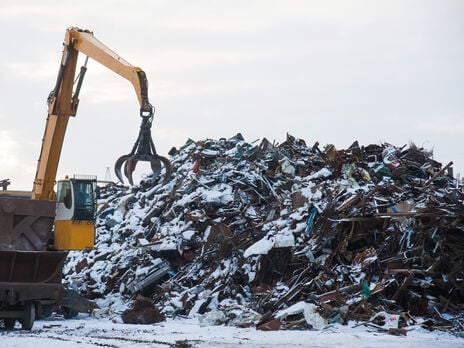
[(85, 42)]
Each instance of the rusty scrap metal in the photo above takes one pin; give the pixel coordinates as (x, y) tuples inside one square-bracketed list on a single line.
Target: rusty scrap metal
[(368, 235)]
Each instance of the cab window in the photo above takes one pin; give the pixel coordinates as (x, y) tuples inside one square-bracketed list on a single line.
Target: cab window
[(84, 208), (64, 193)]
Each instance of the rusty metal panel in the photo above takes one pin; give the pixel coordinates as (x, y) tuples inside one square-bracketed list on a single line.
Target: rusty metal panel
[(13, 293), (30, 275), (25, 224), (31, 266)]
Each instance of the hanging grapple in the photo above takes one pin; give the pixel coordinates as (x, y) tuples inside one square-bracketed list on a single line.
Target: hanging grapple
[(143, 150)]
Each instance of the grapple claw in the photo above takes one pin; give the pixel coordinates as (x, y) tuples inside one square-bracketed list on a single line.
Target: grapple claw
[(143, 150)]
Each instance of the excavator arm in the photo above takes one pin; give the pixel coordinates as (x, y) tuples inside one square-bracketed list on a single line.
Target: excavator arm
[(85, 42), (64, 100)]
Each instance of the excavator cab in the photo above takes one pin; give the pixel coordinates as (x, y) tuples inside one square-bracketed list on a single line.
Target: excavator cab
[(75, 214)]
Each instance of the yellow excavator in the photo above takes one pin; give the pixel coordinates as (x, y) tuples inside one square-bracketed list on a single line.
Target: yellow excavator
[(75, 202), (38, 230)]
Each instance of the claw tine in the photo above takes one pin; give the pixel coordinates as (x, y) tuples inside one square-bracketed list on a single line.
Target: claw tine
[(155, 167), (129, 168), (117, 167), (168, 168)]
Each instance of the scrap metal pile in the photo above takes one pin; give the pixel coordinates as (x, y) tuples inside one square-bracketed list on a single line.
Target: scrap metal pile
[(285, 236)]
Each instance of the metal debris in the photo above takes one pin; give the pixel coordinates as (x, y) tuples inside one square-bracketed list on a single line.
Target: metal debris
[(355, 233)]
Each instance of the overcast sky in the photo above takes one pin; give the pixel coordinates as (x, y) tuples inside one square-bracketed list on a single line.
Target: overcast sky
[(327, 71)]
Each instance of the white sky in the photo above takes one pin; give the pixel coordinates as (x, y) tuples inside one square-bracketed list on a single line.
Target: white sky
[(327, 71)]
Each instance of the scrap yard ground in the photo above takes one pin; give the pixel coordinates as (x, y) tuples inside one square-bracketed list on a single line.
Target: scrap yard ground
[(90, 332)]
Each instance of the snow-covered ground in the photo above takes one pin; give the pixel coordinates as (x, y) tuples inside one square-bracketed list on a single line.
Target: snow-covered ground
[(86, 331)]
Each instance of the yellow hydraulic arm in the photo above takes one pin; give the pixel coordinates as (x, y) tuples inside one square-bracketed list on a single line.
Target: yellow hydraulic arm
[(63, 103)]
